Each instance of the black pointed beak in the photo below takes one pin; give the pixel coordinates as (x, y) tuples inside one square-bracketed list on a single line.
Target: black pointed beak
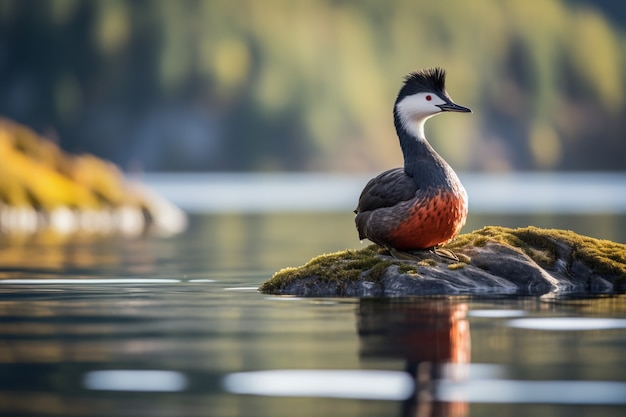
[(450, 106)]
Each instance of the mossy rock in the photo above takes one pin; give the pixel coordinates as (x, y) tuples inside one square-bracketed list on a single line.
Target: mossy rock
[(491, 260)]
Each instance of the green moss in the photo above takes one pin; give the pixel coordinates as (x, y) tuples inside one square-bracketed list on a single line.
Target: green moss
[(407, 268), (341, 267), (457, 265)]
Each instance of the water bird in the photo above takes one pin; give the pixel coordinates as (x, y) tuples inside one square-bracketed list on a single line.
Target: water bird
[(422, 205)]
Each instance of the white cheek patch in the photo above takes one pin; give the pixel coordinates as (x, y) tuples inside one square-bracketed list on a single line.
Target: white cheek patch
[(418, 105), (414, 110)]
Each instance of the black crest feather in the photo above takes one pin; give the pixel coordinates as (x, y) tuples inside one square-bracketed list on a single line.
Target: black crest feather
[(430, 79)]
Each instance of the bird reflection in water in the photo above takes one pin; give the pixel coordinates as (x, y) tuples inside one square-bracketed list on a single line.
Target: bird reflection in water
[(429, 334)]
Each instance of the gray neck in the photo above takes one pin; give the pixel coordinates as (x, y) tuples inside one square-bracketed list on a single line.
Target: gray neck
[(421, 162)]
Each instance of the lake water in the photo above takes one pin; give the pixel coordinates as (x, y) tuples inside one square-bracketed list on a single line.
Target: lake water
[(175, 327)]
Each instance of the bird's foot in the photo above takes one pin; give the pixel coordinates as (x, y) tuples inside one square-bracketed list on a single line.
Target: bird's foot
[(417, 256), (445, 253), (406, 256)]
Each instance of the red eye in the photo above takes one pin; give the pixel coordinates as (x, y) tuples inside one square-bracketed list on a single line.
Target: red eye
[(429, 97)]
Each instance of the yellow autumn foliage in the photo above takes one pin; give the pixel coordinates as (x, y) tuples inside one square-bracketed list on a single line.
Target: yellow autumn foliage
[(35, 172), (71, 191)]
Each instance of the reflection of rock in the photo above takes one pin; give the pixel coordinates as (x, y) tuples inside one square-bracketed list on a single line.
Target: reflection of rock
[(426, 334), (491, 260), (42, 187)]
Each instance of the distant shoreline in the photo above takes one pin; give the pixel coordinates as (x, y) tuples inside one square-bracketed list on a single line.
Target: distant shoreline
[(506, 193)]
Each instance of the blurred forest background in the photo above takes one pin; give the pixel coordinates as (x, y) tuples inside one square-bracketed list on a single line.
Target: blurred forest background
[(245, 85)]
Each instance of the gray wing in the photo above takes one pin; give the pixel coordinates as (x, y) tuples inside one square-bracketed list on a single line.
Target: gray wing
[(386, 190)]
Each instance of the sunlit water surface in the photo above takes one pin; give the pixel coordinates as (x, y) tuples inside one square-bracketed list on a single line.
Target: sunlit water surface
[(164, 327)]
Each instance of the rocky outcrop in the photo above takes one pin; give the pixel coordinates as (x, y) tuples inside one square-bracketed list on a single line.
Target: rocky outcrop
[(493, 260)]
